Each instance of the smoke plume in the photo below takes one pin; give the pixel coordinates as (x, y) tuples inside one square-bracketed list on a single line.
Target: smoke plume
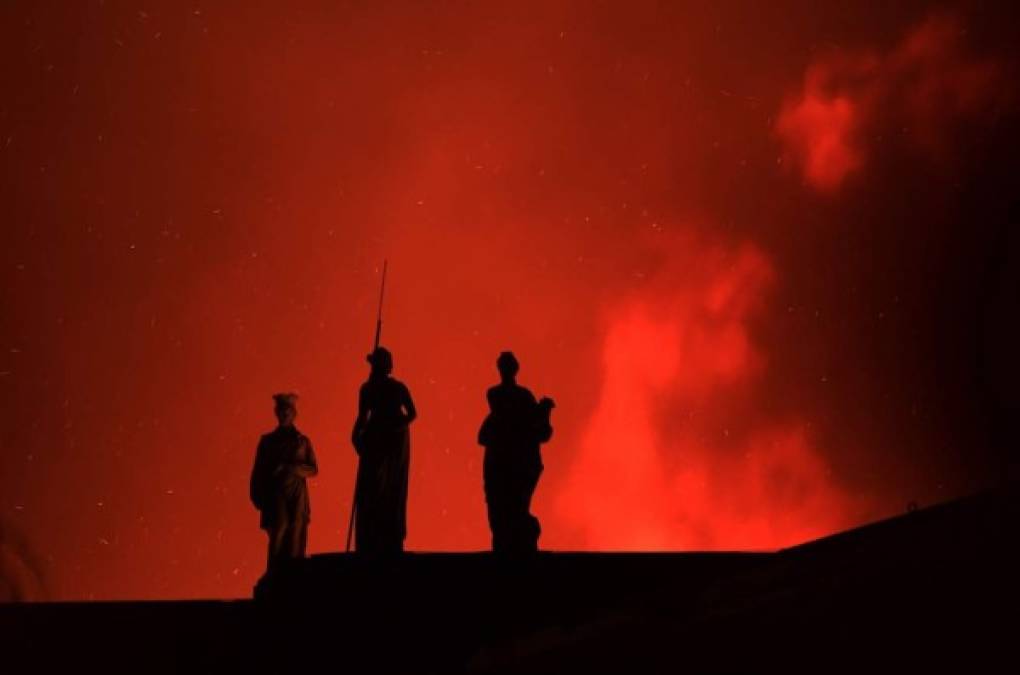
[(853, 100), (675, 455)]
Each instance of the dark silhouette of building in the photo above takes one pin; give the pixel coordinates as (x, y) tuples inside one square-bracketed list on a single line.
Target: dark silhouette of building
[(382, 439), (283, 462), (512, 434), (933, 590)]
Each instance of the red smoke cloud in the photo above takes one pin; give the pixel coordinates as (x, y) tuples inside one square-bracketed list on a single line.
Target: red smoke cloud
[(673, 455), (850, 101), (199, 203)]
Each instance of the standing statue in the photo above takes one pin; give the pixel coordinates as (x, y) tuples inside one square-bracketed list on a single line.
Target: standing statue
[(512, 434), (283, 461), (382, 439)]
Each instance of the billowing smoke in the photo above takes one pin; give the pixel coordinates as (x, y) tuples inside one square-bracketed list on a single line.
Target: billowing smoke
[(616, 192), (854, 100), (676, 454)]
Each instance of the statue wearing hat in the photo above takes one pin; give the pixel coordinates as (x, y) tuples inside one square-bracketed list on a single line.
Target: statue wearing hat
[(512, 434), (382, 439), (283, 462)]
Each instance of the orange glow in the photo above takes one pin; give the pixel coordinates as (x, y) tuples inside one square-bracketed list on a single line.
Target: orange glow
[(665, 461), (924, 85), (820, 132), (199, 198)]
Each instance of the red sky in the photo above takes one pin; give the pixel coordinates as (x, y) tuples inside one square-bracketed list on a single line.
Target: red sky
[(755, 256)]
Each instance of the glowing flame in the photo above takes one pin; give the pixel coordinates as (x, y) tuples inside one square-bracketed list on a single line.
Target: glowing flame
[(918, 89), (661, 465)]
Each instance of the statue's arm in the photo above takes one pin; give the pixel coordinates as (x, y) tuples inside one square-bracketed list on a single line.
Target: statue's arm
[(256, 485), (360, 420), (543, 423), (308, 467), (411, 413)]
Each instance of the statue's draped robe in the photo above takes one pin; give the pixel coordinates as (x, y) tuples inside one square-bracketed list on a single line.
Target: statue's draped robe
[(280, 491), (383, 441), (512, 433)]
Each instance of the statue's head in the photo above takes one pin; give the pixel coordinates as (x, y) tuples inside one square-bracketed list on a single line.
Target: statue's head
[(507, 365), (381, 361), (285, 408)]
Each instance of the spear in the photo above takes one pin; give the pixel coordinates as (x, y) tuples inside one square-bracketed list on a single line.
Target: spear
[(375, 346), (378, 318)]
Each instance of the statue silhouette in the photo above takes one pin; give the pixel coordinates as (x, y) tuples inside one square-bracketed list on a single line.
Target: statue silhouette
[(512, 433), (382, 439), (283, 460)]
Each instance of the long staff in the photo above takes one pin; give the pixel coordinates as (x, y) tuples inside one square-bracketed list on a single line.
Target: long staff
[(375, 346)]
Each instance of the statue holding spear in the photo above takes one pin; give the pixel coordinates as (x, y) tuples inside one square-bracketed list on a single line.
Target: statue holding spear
[(381, 438)]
